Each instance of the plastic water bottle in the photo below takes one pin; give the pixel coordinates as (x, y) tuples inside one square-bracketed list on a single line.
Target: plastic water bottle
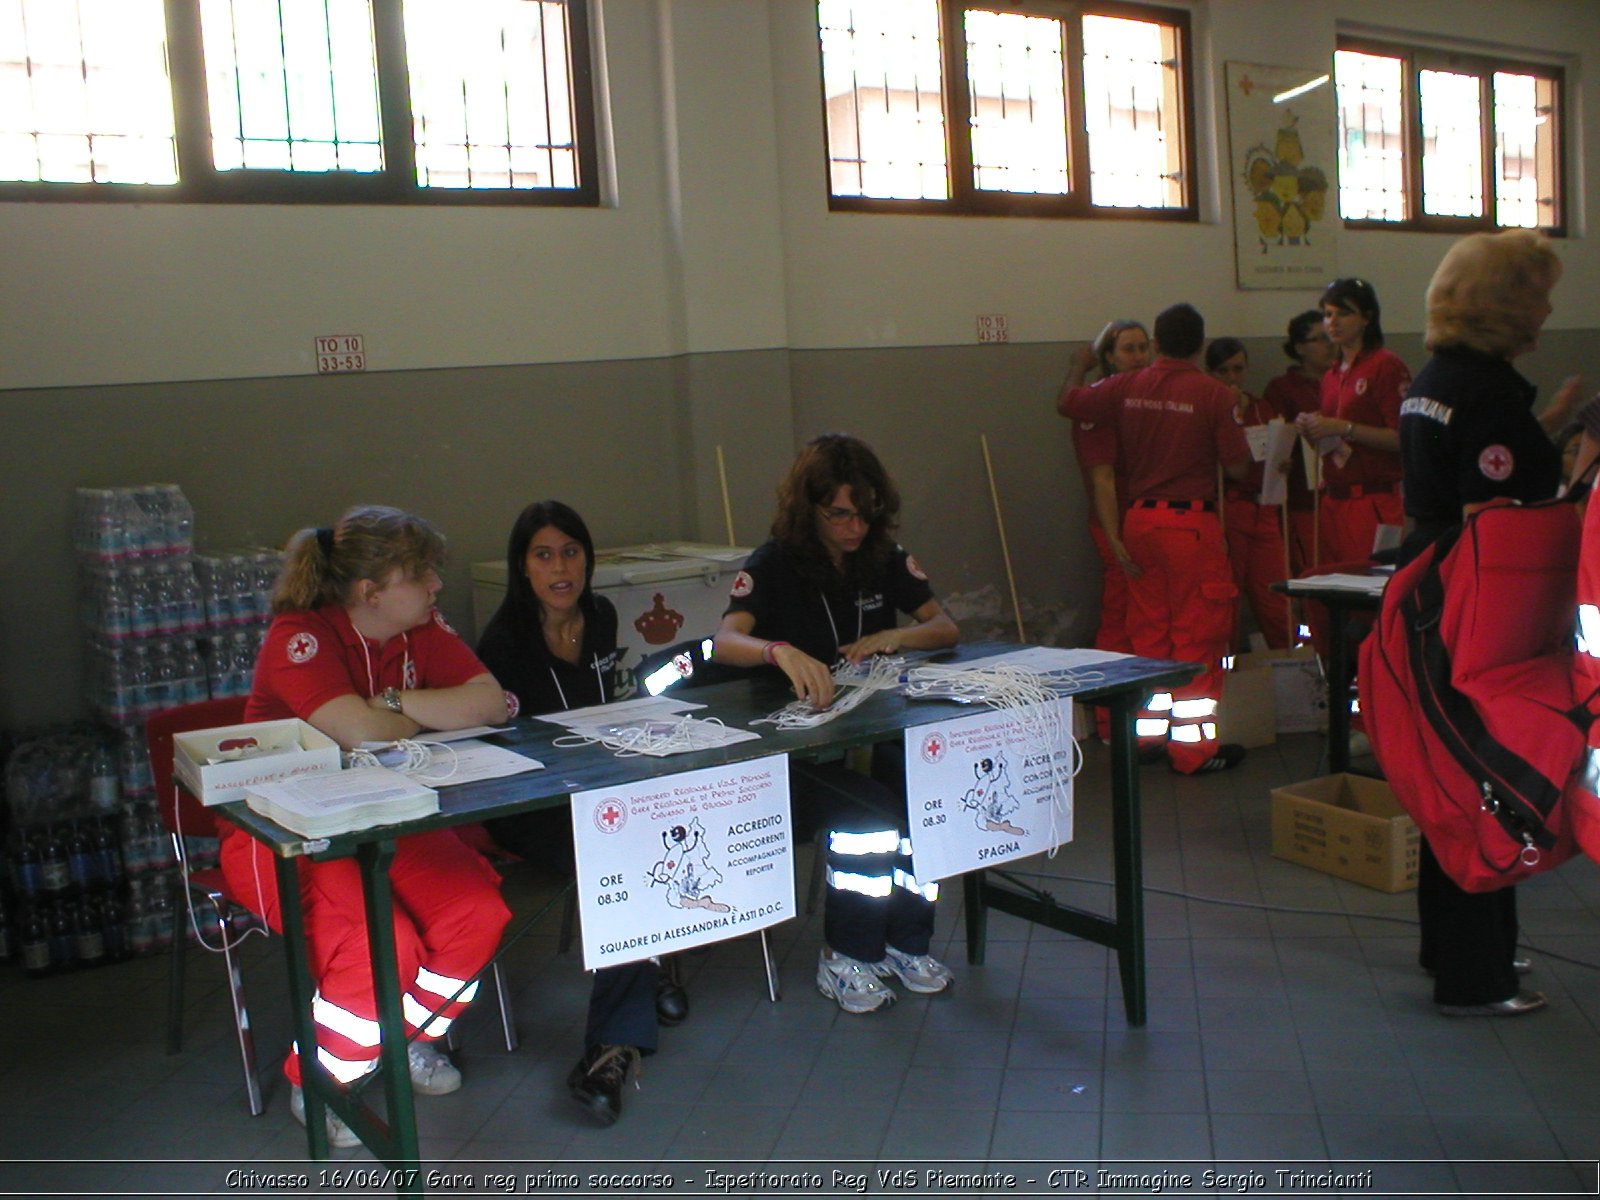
[(180, 520), (191, 609), (105, 792), (143, 617), (35, 942), (192, 672), (116, 606), (242, 663), (168, 601), (214, 591)]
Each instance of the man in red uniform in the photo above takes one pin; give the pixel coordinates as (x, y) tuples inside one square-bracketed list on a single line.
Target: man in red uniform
[(1174, 426)]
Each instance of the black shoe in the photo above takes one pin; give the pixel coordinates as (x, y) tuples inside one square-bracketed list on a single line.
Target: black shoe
[(672, 1002), (1228, 756), (1521, 964), (1149, 756), (1516, 1006), (596, 1082)]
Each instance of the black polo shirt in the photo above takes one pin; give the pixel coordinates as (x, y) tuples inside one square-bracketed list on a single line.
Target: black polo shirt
[(790, 607), (1468, 434)]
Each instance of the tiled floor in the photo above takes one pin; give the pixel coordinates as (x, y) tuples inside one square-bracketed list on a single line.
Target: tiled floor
[(1288, 1021)]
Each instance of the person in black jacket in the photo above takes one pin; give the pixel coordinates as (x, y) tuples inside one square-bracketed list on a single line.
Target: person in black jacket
[(552, 644), (1468, 435)]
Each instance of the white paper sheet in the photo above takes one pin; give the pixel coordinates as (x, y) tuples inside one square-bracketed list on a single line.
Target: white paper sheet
[(620, 712), (1371, 584), (1281, 438), (477, 760)]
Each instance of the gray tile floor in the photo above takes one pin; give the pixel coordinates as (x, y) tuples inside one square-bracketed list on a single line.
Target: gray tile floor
[(1288, 1022)]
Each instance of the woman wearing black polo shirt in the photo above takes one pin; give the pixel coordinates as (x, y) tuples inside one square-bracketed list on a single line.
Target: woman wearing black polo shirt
[(553, 645), (1468, 435), (829, 585)]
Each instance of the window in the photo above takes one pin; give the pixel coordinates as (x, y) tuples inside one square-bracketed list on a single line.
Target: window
[(1432, 140), (426, 101), (1047, 107)]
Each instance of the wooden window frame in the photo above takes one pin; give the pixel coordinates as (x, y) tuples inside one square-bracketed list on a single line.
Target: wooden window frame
[(1415, 59), (967, 200), (199, 182)]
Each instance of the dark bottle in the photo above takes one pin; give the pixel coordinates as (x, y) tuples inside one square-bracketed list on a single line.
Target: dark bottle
[(8, 935), (113, 928), (88, 938), (61, 937), (35, 939), (82, 866), (26, 868), (108, 857), (55, 876)]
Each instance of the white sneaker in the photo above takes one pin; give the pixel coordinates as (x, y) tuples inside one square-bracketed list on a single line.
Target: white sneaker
[(851, 982), (919, 972), (432, 1073), (340, 1135)]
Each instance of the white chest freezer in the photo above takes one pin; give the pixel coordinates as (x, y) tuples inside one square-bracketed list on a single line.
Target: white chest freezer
[(664, 592)]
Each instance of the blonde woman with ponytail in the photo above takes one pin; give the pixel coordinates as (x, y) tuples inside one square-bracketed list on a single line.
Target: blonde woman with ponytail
[(357, 650)]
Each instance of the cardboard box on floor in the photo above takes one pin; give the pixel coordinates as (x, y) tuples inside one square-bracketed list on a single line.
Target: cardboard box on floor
[(1346, 825), (1299, 692)]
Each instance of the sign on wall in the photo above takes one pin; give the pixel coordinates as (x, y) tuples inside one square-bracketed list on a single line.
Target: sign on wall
[(1283, 140), (683, 860), (989, 789)]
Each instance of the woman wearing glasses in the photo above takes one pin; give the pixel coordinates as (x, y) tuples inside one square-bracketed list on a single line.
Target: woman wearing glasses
[(1360, 407), (1299, 390), (828, 585)]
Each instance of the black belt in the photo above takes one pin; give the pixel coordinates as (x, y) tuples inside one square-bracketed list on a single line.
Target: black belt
[(1178, 505)]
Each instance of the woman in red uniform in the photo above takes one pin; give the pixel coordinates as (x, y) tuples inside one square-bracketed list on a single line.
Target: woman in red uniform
[(1358, 426), (1299, 390), (1121, 346), (357, 650), (1254, 531)]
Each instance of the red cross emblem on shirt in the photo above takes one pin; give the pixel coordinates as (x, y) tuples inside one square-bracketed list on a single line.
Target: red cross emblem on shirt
[(610, 817), (1496, 462)]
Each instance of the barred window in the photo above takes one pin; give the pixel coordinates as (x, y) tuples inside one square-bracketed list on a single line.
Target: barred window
[(427, 101), (1058, 108), (1431, 140)]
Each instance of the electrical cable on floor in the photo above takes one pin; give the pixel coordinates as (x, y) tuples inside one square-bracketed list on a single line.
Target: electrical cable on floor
[(1284, 908)]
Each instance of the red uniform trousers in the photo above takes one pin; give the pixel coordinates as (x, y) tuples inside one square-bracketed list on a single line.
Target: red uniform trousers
[(1255, 551), (448, 917), (1349, 523), (1182, 606), (1113, 631)]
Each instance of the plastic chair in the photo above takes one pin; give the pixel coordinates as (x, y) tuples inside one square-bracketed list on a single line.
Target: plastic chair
[(182, 811)]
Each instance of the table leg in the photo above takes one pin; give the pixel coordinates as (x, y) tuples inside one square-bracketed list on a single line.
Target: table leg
[(1127, 857), (315, 1082), (400, 1148), (1339, 673), (975, 908)]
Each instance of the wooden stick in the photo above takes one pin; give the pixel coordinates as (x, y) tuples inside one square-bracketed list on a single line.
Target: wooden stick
[(1222, 501), (1288, 564), (727, 509), (1000, 524)]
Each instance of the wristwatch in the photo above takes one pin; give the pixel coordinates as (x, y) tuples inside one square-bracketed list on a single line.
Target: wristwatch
[(391, 699)]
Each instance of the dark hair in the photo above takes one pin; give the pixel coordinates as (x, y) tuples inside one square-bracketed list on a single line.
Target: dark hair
[(1107, 342), (1221, 350), (1180, 331), (1359, 297), (824, 465), (370, 541), (520, 609), (1300, 327)]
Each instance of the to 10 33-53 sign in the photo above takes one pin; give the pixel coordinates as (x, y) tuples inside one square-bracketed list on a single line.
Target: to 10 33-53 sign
[(340, 352)]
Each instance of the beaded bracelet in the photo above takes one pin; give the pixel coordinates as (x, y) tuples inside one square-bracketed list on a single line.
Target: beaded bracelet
[(769, 650)]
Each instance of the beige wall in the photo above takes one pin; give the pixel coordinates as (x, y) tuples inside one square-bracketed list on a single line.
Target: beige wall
[(604, 355)]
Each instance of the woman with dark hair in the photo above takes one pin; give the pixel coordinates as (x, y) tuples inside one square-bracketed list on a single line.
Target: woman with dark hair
[(1468, 435), (553, 645), (1360, 407), (827, 586), (1299, 390), (1121, 346), (358, 651), (1254, 531)]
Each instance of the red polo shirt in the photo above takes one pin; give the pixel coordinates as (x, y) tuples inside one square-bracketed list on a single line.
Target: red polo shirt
[(1368, 392)]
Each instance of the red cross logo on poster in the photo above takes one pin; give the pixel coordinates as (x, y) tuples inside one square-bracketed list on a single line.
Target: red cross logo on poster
[(933, 748), (610, 817)]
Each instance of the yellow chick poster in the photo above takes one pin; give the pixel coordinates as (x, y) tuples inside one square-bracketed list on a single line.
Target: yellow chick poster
[(1282, 139)]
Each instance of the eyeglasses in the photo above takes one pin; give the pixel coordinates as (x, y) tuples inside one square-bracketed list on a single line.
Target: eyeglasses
[(843, 516)]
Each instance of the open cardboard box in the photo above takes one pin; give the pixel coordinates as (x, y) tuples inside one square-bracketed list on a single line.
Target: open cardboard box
[(1347, 825), (302, 750)]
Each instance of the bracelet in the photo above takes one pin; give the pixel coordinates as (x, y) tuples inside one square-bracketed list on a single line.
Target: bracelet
[(769, 650), (391, 699), (1349, 435)]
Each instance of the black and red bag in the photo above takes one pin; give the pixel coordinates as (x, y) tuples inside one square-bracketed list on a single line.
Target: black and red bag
[(1467, 685)]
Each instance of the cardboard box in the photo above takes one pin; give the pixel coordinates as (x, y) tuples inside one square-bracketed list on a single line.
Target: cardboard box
[(305, 751), (1349, 826), (1249, 711), (1299, 691)]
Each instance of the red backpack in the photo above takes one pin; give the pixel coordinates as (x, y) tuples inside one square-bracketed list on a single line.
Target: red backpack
[(1467, 687)]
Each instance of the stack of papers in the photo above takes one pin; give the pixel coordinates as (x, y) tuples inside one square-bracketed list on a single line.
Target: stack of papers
[(318, 806)]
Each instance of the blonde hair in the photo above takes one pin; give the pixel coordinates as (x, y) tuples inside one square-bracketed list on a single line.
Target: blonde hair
[(1488, 289), (321, 566)]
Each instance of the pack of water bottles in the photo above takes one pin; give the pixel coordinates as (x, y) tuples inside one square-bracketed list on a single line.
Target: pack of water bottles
[(235, 587), (128, 682), (133, 524)]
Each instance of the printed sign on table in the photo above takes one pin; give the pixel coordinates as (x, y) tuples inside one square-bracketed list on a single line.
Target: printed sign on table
[(683, 860), (988, 789)]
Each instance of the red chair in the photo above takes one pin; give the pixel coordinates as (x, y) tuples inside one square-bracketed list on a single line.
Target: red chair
[(180, 811), (194, 890)]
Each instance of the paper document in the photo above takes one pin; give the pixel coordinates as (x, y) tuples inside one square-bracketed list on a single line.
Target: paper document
[(622, 712), (1043, 660), (1280, 442), (458, 735), (477, 760), (342, 801), (1372, 585)]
